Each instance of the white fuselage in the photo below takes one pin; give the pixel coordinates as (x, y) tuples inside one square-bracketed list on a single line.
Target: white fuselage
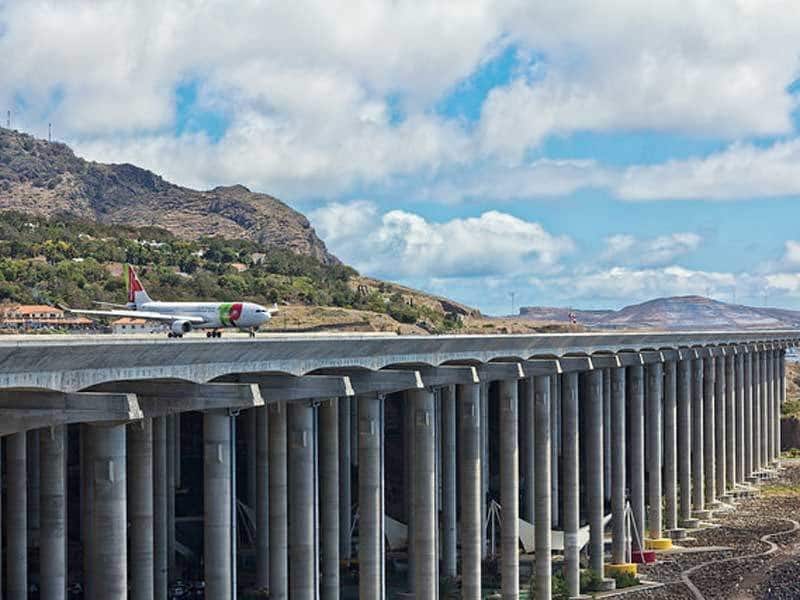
[(215, 315)]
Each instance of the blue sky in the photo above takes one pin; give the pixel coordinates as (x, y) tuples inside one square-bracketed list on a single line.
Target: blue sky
[(576, 155)]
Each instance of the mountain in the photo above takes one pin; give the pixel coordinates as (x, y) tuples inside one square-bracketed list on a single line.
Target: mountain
[(47, 179), (680, 313)]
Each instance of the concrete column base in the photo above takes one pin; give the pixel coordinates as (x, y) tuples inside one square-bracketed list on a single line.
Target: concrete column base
[(679, 533), (702, 515), (606, 585), (621, 569), (693, 523), (658, 543)]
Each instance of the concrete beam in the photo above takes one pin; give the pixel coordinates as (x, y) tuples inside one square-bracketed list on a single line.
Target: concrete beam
[(650, 357), (606, 361), (384, 382), (630, 359), (158, 398), (288, 388), (500, 371), (22, 410), (575, 363), (541, 367), (446, 375)]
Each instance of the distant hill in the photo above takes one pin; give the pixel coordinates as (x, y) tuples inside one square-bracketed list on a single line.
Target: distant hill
[(678, 313), (47, 179), (561, 314)]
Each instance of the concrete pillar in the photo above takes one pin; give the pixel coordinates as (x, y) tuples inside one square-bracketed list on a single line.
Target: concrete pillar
[(160, 508), (773, 415), (685, 428), (592, 383), (781, 398), (172, 574), (109, 513), (345, 484), (217, 498), (248, 419), (607, 434), (354, 433), (278, 521), (329, 499), (449, 481), (86, 509), (424, 533), (410, 433), (570, 483), (509, 488), (140, 508), (730, 421), (698, 453), (16, 518), (302, 550), (527, 444), (670, 445), (262, 497), (53, 514), (470, 475), (756, 380), (654, 397), (764, 405), (32, 464), (635, 386), (740, 416), (542, 518), (618, 486), (484, 393), (749, 455), (720, 419), (177, 462), (709, 431), (555, 449), (370, 525)]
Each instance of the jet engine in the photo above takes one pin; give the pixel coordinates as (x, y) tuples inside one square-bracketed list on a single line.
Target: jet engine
[(180, 327)]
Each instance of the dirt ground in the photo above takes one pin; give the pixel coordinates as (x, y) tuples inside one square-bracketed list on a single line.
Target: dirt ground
[(764, 559)]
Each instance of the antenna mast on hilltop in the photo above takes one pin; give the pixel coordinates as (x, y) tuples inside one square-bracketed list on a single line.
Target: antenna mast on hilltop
[(49, 132), (512, 294), (8, 120)]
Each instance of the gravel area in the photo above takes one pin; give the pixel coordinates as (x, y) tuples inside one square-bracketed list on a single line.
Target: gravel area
[(735, 574)]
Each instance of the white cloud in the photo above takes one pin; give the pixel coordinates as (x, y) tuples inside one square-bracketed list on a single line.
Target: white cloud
[(629, 285), (740, 171), (696, 68), (404, 245), (311, 103), (662, 250), (791, 255)]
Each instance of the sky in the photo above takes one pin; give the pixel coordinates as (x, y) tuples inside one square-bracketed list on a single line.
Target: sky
[(571, 153)]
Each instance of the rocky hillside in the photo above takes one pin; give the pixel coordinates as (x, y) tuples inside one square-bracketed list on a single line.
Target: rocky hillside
[(678, 313), (47, 179)]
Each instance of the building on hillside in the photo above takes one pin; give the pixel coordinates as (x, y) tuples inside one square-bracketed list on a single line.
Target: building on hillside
[(30, 317), (131, 325)]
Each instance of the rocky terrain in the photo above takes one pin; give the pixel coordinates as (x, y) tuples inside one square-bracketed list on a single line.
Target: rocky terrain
[(762, 555), (676, 313), (48, 179)]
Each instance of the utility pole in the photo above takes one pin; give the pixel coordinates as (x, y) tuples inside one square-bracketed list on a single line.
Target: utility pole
[(49, 132), (512, 294), (8, 119)]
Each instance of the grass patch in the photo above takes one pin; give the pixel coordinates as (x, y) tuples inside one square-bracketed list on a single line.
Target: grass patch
[(780, 490), (791, 408)]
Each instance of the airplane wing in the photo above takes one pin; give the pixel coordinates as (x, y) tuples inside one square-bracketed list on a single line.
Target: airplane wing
[(137, 314)]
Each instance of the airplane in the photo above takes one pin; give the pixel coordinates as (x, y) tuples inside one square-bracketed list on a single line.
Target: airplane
[(183, 317)]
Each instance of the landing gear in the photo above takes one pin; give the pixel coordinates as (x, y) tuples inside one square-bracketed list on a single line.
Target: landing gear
[(213, 334), (174, 335), (252, 333)]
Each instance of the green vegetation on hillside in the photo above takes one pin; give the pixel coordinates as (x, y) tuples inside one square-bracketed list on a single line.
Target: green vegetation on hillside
[(68, 261)]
